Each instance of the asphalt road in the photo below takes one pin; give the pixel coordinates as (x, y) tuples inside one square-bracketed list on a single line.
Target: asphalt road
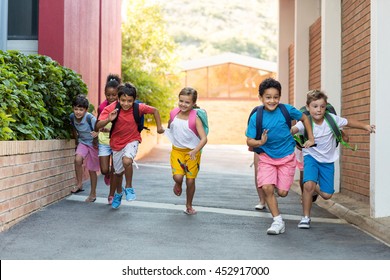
[(154, 226)]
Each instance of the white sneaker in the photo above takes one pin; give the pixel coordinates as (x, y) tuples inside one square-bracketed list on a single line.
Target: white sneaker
[(260, 206), (304, 223), (276, 228)]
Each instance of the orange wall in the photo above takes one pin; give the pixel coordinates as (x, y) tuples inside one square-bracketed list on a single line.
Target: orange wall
[(355, 177)]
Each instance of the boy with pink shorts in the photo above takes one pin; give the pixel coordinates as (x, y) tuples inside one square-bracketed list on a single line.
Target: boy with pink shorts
[(83, 130), (275, 146)]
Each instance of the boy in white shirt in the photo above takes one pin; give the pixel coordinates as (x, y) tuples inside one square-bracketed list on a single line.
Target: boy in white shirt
[(318, 174)]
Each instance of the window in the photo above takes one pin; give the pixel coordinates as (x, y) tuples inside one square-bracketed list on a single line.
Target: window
[(23, 20)]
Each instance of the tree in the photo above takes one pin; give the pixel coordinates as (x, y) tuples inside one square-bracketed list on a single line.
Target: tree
[(148, 55)]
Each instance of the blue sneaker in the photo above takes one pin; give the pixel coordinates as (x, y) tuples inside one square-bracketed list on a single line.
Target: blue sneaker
[(130, 194), (117, 200)]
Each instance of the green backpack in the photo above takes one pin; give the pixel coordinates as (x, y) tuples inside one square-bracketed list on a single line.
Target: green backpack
[(300, 139)]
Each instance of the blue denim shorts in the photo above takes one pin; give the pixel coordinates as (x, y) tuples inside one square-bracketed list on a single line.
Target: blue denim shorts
[(104, 150), (321, 173)]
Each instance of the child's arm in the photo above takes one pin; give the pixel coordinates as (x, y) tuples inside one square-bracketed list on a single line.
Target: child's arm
[(157, 118), (360, 125), (103, 123), (306, 123), (251, 142), (294, 130), (202, 136)]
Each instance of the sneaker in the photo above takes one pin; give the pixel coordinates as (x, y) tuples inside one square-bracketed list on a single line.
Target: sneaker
[(107, 179), (276, 228), (260, 206), (304, 223), (110, 199), (130, 194), (116, 202), (314, 197)]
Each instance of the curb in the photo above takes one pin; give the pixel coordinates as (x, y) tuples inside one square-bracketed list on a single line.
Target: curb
[(374, 226)]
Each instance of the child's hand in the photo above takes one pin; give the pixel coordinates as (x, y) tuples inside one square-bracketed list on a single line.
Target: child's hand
[(160, 130), (192, 154), (112, 116), (94, 134), (309, 143), (371, 128), (264, 137)]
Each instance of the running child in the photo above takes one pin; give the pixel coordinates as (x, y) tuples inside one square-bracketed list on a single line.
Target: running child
[(83, 124), (318, 174), (125, 137), (277, 163), (186, 145), (105, 152)]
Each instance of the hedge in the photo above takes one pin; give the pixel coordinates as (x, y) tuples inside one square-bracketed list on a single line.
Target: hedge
[(36, 96)]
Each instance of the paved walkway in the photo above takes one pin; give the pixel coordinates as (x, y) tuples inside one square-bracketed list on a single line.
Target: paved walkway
[(154, 226)]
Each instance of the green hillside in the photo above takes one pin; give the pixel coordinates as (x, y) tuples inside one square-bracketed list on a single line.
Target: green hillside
[(205, 27)]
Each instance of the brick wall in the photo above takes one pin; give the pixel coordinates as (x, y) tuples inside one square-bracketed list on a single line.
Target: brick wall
[(33, 174), (315, 55), (355, 172), (291, 74)]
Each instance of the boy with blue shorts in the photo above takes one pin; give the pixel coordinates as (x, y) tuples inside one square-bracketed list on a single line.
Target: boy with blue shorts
[(318, 167)]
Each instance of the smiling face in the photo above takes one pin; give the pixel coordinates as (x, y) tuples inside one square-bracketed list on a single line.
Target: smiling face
[(270, 99), (317, 110), (79, 112), (111, 94), (186, 103), (126, 102)]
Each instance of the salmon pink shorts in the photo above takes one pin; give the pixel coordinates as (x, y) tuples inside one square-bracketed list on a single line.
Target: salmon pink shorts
[(90, 156), (279, 172)]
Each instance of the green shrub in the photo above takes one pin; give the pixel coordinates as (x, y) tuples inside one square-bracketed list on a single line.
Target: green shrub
[(36, 96)]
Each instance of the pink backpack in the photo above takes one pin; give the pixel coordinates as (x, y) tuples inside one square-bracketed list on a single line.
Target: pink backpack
[(191, 119)]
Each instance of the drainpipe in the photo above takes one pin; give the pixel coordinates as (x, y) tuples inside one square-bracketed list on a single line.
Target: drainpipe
[(3, 24)]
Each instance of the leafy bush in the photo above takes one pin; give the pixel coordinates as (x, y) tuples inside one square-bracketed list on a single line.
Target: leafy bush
[(36, 96)]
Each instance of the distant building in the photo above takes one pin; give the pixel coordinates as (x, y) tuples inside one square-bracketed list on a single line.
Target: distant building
[(227, 75), (82, 35)]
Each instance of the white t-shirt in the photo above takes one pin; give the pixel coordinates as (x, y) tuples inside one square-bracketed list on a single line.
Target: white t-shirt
[(181, 135), (326, 150)]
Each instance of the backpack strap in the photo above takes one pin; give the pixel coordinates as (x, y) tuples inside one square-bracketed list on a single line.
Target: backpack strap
[(89, 121), (259, 121), (137, 118), (88, 118), (191, 119), (118, 108)]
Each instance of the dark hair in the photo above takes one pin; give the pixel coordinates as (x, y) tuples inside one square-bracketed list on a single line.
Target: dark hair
[(127, 89), (113, 81), (189, 91), (81, 101), (314, 95), (269, 83)]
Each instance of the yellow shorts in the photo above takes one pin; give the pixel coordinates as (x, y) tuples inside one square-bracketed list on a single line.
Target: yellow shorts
[(182, 164)]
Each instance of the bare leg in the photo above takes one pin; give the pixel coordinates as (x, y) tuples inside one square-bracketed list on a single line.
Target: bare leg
[(93, 178), (190, 182), (128, 165), (325, 196), (307, 197), (177, 188), (271, 200), (78, 167), (260, 191)]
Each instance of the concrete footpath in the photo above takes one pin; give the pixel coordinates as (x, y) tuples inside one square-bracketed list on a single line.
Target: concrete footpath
[(227, 227)]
